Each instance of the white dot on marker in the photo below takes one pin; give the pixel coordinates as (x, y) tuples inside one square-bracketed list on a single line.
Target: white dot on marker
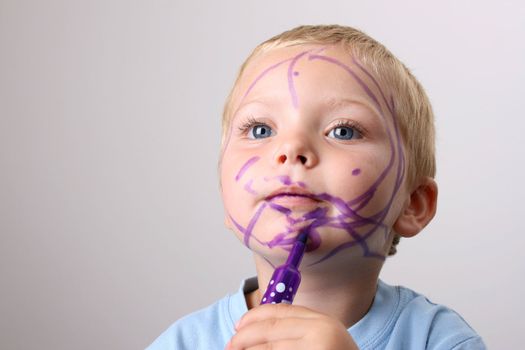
[(264, 299), (291, 289), (271, 282), (280, 287), (272, 294)]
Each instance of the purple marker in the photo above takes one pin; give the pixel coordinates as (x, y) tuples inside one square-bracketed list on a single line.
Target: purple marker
[(286, 278)]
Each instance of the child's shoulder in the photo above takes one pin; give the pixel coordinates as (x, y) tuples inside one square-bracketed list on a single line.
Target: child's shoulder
[(402, 318), (208, 328), (197, 330)]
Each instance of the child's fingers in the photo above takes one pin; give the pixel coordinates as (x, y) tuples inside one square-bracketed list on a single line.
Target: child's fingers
[(268, 331), (278, 345), (275, 311)]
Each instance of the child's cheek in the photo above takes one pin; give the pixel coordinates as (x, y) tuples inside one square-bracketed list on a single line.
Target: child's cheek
[(240, 186)]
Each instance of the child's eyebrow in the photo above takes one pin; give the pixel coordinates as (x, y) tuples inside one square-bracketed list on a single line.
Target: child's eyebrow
[(340, 103), (329, 104), (268, 101)]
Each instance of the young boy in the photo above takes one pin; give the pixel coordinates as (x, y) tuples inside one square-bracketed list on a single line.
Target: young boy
[(325, 133)]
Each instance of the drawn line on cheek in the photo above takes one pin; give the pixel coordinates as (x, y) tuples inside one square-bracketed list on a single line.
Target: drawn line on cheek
[(251, 225), (239, 227), (367, 196), (277, 240), (391, 108), (376, 221), (245, 167), (317, 214), (280, 208), (269, 262), (248, 187), (247, 232), (340, 204), (401, 154), (356, 171)]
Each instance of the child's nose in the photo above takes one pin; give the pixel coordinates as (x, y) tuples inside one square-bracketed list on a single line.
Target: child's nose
[(295, 153)]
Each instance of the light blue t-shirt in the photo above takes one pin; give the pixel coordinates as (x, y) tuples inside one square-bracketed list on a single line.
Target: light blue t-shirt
[(398, 319)]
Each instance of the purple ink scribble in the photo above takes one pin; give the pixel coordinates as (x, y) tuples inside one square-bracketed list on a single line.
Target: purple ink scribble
[(247, 232), (348, 218), (291, 85), (280, 208), (319, 50), (350, 71), (285, 179), (245, 167), (264, 72), (248, 187)]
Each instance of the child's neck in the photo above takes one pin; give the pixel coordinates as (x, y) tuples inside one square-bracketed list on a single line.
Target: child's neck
[(344, 294)]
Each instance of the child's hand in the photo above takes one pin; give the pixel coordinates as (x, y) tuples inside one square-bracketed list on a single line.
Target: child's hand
[(289, 327)]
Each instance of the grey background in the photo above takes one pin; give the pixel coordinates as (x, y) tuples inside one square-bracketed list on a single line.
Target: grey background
[(110, 214)]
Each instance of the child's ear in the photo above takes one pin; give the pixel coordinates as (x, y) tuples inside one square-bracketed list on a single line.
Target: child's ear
[(418, 210)]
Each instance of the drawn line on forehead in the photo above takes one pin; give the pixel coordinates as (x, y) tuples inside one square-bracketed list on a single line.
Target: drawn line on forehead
[(291, 85), (364, 70), (270, 68), (363, 85), (259, 77)]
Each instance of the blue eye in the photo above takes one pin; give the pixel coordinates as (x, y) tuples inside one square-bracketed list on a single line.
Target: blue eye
[(260, 131), (344, 133)]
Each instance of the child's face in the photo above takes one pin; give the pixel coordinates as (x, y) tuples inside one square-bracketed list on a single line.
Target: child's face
[(312, 146)]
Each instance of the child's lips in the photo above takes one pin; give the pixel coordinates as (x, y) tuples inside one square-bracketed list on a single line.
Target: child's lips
[(293, 197)]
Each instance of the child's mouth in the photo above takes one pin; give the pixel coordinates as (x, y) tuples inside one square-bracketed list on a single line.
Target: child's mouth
[(293, 198)]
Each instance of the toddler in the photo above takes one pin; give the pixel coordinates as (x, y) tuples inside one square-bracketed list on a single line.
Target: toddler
[(325, 134)]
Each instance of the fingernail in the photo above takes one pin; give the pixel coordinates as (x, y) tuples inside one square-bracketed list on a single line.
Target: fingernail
[(237, 325)]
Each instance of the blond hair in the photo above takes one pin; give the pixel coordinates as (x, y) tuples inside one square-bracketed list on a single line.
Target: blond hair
[(412, 107)]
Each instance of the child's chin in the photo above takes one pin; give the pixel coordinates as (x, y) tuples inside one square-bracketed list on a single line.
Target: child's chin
[(314, 260)]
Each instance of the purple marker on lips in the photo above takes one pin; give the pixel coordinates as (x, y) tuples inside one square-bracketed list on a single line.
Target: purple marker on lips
[(286, 278)]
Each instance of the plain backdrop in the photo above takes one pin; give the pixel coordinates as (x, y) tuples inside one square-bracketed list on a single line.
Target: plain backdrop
[(111, 223)]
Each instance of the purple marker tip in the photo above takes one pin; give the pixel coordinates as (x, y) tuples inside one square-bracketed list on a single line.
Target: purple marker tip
[(286, 278)]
